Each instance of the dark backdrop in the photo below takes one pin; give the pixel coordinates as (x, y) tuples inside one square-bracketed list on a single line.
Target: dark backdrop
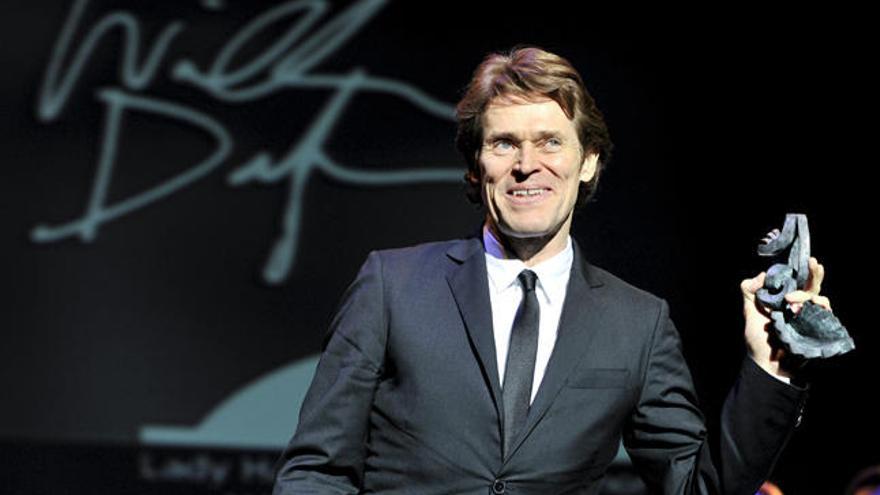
[(159, 314)]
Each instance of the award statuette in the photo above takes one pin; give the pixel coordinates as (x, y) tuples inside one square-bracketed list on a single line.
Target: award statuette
[(814, 331)]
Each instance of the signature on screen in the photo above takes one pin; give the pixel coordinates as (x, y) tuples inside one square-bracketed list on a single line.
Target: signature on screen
[(287, 63)]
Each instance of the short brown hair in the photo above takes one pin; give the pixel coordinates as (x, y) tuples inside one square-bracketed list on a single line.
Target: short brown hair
[(527, 73)]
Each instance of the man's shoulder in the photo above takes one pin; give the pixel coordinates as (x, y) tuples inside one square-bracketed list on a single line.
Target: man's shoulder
[(424, 260), (622, 292), (436, 254), (427, 251)]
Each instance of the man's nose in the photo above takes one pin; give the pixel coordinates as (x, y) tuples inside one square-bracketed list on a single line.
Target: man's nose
[(528, 159)]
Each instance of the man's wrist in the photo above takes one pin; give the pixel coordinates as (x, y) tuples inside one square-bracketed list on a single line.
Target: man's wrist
[(773, 369)]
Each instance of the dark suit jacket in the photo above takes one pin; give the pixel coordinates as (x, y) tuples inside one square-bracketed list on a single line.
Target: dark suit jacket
[(406, 397)]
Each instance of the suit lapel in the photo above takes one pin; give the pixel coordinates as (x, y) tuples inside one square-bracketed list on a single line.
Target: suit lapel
[(580, 311), (470, 288)]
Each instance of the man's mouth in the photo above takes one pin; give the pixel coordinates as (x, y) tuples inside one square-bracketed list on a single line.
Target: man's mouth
[(529, 192)]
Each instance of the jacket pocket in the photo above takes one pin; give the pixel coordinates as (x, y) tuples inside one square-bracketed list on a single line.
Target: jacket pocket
[(598, 378)]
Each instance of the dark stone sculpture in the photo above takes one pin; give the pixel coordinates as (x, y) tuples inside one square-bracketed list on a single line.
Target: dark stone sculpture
[(814, 331)]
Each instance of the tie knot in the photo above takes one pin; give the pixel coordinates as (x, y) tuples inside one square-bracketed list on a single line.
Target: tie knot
[(528, 278)]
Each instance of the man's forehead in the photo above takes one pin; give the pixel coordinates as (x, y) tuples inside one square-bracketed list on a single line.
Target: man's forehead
[(508, 99), (503, 113)]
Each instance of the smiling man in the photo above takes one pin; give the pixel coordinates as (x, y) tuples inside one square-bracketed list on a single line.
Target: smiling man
[(531, 166), (507, 363)]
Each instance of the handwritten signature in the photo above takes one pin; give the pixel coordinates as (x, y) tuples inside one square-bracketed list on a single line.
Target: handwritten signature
[(286, 63)]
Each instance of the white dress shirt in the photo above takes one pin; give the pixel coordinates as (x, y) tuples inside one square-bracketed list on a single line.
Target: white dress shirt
[(505, 294)]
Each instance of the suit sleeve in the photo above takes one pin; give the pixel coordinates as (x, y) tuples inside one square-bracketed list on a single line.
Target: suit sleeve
[(326, 454), (666, 435)]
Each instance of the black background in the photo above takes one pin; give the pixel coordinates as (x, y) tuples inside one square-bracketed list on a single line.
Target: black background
[(723, 122)]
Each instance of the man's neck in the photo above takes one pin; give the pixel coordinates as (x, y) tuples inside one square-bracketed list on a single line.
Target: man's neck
[(531, 250)]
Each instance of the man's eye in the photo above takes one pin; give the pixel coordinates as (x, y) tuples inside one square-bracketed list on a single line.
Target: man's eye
[(553, 144), (502, 146)]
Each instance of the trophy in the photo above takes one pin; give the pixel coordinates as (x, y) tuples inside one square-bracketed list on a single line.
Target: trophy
[(814, 331)]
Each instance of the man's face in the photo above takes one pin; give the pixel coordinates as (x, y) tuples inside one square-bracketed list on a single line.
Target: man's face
[(531, 164)]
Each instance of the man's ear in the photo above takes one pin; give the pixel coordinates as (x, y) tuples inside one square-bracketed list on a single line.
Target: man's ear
[(588, 167)]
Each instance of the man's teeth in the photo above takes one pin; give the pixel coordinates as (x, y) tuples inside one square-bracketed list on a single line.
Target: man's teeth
[(527, 192)]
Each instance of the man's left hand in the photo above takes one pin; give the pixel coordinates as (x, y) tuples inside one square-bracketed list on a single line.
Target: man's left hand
[(758, 323)]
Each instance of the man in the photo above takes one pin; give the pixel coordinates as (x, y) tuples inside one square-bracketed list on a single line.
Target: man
[(507, 363)]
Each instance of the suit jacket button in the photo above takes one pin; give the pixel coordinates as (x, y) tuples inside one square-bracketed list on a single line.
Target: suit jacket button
[(498, 487), (800, 417)]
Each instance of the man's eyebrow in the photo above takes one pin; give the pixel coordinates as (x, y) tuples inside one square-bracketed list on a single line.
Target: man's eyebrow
[(541, 135), (495, 136)]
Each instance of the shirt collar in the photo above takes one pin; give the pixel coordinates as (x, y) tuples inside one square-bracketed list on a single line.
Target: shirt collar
[(553, 273)]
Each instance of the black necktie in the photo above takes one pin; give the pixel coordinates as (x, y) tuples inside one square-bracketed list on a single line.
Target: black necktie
[(520, 368)]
